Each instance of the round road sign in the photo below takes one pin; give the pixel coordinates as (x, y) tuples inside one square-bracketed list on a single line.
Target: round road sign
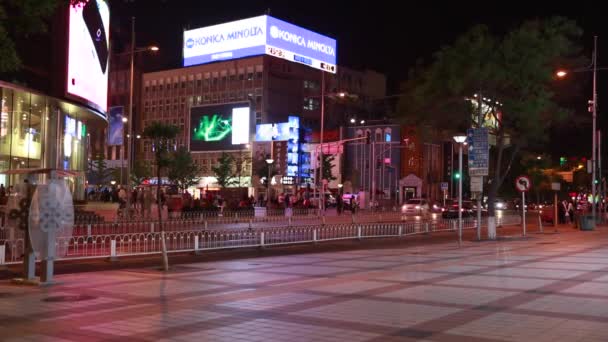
[(523, 183)]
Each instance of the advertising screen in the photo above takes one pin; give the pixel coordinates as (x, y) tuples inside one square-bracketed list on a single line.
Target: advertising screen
[(88, 52), (219, 127), (257, 36)]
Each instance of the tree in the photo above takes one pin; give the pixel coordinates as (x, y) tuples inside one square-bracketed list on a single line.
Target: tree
[(516, 69), (161, 136), (98, 172), (140, 172), (328, 160), (19, 20), (223, 172), (183, 171)]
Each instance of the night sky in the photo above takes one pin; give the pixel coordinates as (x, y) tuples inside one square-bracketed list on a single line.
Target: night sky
[(377, 36)]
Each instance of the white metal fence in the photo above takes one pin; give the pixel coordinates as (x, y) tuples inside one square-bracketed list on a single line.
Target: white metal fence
[(141, 238)]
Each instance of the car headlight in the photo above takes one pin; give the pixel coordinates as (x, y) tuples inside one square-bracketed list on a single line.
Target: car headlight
[(499, 205), (417, 207)]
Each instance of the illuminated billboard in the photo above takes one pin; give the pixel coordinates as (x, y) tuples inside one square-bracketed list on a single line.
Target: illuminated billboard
[(258, 36), (219, 127), (88, 52)]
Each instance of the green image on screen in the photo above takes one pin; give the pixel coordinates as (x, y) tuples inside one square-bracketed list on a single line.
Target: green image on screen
[(211, 128)]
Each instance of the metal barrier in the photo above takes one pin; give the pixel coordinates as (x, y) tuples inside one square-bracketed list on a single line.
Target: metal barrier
[(140, 238)]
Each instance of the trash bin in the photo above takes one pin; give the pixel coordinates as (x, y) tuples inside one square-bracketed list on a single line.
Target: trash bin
[(586, 222)]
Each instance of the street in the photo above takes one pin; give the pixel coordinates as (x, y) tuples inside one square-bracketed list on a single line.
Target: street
[(544, 288)]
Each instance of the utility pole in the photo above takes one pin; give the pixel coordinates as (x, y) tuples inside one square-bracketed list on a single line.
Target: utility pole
[(594, 145)]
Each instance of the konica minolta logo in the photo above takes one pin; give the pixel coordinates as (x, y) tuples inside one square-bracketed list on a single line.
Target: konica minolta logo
[(294, 38), (189, 43), (216, 38)]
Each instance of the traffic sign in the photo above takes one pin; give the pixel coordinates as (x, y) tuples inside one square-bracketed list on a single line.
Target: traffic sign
[(479, 151), (476, 183), (523, 183), (444, 186)]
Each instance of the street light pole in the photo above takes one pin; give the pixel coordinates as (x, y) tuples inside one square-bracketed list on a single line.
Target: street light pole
[(269, 162), (460, 139), (130, 135), (322, 194), (594, 146)]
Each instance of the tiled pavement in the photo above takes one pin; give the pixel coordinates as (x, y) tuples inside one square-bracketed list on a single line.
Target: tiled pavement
[(545, 288)]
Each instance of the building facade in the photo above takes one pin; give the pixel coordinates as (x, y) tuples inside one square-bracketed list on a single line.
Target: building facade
[(275, 90)]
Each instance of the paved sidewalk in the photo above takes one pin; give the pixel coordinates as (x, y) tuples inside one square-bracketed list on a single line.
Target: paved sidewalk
[(550, 287)]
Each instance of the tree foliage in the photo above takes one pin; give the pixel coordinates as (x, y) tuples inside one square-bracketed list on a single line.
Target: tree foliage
[(20, 19), (223, 171), (516, 69), (182, 170), (140, 172), (328, 164), (98, 172)]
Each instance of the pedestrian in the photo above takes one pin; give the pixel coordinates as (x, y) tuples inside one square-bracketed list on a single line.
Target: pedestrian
[(147, 203), (570, 210), (561, 213), (2, 194)]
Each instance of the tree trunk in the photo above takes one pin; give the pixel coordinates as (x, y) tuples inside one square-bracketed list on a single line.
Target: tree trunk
[(160, 220)]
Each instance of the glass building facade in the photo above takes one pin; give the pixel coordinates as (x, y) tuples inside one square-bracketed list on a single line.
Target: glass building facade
[(39, 131)]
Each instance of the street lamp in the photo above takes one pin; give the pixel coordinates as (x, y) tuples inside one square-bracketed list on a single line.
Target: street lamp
[(593, 109), (269, 161), (353, 120), (460, 139), (132, 53)]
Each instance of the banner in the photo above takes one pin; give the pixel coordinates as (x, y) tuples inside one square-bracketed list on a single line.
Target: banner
[(115, 126)]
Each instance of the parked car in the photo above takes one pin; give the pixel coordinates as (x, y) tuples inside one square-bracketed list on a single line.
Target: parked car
[(451, 209), (415, 206)]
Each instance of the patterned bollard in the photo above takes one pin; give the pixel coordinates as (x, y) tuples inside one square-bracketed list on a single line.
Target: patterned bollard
[(314, 236), (359, 232), (196, 245), (89, 230), (262, 240)]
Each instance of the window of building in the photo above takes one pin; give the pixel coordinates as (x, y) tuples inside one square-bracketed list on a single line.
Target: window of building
[(250, 76), (387, 134), (183, 84), (199, 83), (241, 75), (258, 118), (378, 135), (311, 103), (258, 75), (215, 81)]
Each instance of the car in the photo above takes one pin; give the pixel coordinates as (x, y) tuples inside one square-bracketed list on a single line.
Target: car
[(415, 206), (451, 209), (500, 204)]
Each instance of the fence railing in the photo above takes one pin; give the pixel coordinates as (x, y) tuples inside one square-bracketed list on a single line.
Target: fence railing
[(100, 241)]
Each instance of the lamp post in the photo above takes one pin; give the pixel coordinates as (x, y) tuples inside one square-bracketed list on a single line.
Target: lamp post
[(130, 129), (593, 109), (269, 162), (460, 139)]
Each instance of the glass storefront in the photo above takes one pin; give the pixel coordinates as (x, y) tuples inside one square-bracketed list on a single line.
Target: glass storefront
[(39, 131)]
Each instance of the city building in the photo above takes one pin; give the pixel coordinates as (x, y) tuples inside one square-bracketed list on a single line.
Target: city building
[(283, 96)]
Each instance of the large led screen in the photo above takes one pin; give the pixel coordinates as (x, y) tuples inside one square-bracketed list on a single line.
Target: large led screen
[(258, 36), (88, 52), (219, 127)]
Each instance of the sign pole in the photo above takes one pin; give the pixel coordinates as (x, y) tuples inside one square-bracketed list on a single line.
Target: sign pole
[(523, 211)]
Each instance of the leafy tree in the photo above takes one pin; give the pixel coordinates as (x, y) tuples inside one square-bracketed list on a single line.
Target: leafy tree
[(98, 172), (223, 172), (328, 164), (516, 69), (140, 172), (183, 171), (20, 19), (161, 136)]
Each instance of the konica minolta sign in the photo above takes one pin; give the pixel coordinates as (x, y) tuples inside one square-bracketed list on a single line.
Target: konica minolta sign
[(257, 36)]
